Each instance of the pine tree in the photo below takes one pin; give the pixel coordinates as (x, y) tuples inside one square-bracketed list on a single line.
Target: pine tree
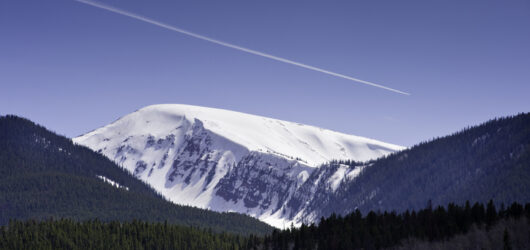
[(506, 240)]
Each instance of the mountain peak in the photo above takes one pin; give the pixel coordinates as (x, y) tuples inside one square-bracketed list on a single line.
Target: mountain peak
[(225, 160)]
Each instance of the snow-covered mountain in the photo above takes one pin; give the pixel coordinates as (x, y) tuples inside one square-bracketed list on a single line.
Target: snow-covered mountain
[(230, 161)]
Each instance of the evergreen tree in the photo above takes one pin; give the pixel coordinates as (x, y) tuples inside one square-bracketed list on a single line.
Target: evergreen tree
[(506, 240)]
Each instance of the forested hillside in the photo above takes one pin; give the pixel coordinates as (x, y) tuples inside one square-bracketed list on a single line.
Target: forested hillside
[(45, 175), (489, 161)]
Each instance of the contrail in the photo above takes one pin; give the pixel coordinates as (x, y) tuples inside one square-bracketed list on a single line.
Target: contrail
[(229, 45)]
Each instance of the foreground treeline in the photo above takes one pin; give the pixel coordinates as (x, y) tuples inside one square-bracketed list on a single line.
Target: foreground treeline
[(510, 233), (387, 230), (451, 227), (94, 234)]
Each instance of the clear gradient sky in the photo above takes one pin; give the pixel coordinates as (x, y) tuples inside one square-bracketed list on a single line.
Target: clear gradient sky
[(73, 68)]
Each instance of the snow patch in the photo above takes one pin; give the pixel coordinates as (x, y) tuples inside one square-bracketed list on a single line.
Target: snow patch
[(337, 177), (112, 183)]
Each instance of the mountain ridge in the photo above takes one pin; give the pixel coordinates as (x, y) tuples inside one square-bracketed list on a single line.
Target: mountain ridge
[(225, 122)]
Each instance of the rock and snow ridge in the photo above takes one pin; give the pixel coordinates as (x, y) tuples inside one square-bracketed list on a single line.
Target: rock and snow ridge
[(230, 161)]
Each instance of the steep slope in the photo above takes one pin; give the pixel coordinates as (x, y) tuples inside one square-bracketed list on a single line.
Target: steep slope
[(490, 161), (44, 175), (225, 160)]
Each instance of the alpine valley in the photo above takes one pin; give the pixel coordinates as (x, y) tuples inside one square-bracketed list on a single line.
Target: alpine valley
[(229, 161)]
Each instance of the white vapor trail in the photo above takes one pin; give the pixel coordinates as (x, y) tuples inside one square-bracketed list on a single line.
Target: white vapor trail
[(254, 52)]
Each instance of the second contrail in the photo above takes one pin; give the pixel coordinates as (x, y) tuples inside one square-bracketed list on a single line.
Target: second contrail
[(254, 52)]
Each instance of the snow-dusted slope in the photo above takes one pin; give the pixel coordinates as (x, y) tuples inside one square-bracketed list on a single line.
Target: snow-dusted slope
[(225, 160)]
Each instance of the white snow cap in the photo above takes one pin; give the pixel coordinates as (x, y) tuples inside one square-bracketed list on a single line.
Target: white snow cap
[(311, 144)]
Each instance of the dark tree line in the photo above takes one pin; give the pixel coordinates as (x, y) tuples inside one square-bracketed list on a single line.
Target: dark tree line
[(378, 230), (94, 234)]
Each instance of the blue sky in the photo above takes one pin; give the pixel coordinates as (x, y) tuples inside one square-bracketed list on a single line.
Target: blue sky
[(73, 68)]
